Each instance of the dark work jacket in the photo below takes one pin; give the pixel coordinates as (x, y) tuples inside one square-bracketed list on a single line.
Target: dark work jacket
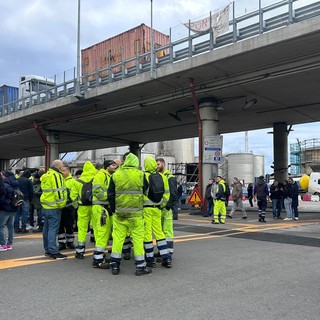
[(295, 194), (10, 183), (276, 192), (2, 189), (26, 187), (287, 191), (261, 189)]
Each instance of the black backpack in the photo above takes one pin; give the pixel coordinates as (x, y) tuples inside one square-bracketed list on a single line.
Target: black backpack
[(17, 198), (227, 192), (86, 193), (156, 187)]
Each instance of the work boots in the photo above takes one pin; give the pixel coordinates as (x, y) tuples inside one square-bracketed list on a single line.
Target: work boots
[(115, 268), (143, 270), (101, 265), (167, 263)]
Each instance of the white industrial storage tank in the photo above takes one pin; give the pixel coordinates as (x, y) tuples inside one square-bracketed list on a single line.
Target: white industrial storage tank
[(258, 165), (240, 165), (182, 150)]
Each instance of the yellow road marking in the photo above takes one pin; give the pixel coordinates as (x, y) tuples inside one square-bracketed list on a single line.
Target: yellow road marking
[(243, 228)]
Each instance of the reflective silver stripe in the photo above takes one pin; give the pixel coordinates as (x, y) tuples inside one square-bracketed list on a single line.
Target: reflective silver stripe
[(96, 186), (128, 209), (51, 203), (161, 243), (100, 202), (128, 192), (150, 254), (53, 190), (139, 258), (169, 239), (167, 191), (148, 245), (98, 256), (100, 249), (115, 255), (148, 202), (163, 251)]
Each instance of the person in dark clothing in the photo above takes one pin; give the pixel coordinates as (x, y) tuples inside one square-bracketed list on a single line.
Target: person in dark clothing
[(26, 187), (250, 194), (287, 200), (7, 210), (2, 188), (261, 193), (209, 199), (276, 195), (36, 204), (295, 198)]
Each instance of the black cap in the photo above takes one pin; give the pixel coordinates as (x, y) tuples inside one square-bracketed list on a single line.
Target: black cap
[(261, 177), (108, 163)]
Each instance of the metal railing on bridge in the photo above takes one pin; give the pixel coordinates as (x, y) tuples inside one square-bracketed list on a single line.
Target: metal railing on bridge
[(181, 49)]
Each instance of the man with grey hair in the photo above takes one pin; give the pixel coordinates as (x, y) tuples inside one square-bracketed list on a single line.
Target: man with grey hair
[(53, 199), (237, 199)]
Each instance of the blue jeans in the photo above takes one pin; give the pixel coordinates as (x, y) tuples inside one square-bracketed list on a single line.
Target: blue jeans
[(23, 212), (287, 205), (210, 208), (6, 219), (50, 229), (276, 207)]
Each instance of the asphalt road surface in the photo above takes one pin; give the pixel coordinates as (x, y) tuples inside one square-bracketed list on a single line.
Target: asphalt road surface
[(241, 270)]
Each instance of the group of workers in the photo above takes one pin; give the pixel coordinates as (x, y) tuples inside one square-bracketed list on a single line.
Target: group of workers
[(115, 200)]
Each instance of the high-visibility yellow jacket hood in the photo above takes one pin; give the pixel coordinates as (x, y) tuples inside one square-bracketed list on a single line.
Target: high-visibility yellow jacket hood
[(131, 161), (150, 164), (89, 172)]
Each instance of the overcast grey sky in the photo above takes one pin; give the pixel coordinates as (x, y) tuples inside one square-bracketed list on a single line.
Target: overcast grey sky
[(39, 37)]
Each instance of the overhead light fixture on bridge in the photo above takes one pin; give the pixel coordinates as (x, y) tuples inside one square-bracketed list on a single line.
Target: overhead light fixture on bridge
[(175, 115), (249, 104)]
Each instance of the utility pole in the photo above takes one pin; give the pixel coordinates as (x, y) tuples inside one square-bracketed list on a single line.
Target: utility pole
[(77, 88)]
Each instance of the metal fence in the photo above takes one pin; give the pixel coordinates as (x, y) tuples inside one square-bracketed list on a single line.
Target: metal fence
[(255, 23)]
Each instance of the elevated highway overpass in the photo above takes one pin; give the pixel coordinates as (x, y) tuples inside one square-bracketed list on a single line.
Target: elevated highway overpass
[(279, 69)]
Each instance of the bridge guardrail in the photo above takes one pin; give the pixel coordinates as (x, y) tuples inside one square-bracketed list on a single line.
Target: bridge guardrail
[(181, 49)]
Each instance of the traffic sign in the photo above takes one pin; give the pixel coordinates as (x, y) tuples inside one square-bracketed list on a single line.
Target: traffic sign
[(195, 197)]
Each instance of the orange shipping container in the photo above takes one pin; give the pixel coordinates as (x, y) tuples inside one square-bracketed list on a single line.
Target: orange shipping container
[(119, 48)]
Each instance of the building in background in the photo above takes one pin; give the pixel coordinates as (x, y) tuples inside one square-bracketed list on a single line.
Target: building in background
[(305, 156), (179, 156)]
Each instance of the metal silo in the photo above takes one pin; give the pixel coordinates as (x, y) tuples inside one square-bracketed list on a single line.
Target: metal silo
[(240, 165), (258, 166), (182, 150)]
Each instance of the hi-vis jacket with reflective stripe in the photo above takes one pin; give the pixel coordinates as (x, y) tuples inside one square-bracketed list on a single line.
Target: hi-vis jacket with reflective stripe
[(71, 183), (173, 189), (89, 171), (100, 186), (150, 165), (220, 189), (54, 193), (126, 189)]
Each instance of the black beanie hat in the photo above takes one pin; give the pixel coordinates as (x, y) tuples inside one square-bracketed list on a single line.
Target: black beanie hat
[(107, 163)]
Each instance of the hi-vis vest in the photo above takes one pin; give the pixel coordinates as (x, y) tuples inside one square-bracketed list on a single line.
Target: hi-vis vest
[(54, 193), (100, 186), (128, 183)]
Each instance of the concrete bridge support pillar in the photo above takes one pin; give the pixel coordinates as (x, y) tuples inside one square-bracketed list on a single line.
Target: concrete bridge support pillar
[(4, 164), (53, 140), (209, 120), (135, 149), (280, 151)]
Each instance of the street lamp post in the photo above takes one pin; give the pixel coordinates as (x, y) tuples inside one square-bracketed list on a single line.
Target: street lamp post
[(77, 88), (152, 68)]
